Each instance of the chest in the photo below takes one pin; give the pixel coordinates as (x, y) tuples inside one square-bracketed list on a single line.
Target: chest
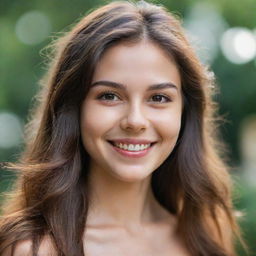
[(120, 243)]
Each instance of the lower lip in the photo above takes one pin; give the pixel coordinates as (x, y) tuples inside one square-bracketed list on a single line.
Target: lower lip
[(134, 154)]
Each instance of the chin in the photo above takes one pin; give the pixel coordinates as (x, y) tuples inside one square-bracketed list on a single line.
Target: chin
[(131, 175)]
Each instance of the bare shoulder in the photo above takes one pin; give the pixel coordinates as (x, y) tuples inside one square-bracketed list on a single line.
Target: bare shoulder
[(24, 248), (47, 247), (176, 245)]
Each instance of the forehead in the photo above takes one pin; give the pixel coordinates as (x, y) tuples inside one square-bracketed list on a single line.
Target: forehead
[(140, 63)]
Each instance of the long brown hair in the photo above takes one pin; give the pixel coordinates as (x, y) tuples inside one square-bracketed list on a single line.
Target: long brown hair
[(51, 197)]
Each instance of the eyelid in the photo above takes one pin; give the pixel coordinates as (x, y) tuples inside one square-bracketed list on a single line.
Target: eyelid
[(107, 92), (167, 98)]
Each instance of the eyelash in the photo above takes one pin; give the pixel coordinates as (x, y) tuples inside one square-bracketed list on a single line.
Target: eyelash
[(100, 97), (167, 98)]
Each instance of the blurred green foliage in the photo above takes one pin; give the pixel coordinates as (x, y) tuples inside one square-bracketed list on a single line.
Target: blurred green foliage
[(22, 65), (246, 205)]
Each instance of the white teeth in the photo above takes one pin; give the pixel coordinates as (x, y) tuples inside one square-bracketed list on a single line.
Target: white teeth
[(132, 147), (137, 147)]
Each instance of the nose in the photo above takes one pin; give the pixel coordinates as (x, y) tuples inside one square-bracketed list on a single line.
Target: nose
[(134, 119)]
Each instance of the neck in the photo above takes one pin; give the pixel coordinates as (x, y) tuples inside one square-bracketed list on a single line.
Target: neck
[(118, 203)]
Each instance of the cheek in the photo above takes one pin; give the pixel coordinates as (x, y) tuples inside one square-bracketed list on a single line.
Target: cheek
[(168, 124), (96, 120), (90, 126), (88, 121)]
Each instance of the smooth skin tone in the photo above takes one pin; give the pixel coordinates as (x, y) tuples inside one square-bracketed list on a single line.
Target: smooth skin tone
[(135, 94)]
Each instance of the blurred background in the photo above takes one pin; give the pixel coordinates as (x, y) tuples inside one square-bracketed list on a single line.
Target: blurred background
[(224, 35)]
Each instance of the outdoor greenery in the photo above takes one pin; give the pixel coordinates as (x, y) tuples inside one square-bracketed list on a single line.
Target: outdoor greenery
[(22, 64)]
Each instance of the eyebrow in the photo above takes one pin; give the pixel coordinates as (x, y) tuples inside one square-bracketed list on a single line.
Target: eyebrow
[(116, 85)]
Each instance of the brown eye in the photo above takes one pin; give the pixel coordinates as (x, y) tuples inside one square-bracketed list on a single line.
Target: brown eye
[(159, 98), (108, 97)]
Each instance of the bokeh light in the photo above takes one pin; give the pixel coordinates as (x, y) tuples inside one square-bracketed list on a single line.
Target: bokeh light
[(238, 45), (204, 26), (10, 130), (33, 27)]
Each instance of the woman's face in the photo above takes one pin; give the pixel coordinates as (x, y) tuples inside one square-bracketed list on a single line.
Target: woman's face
[(131, 117)]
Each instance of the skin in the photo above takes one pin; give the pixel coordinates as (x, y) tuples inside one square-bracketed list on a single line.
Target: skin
[(124, 217)]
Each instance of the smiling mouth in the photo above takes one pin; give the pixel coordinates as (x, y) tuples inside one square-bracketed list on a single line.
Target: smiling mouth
[(131, 147)]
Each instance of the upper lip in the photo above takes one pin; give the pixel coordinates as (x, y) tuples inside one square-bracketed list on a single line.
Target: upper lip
[(132, 141)]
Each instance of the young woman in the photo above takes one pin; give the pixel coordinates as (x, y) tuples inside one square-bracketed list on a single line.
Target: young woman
[(121, 155)]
